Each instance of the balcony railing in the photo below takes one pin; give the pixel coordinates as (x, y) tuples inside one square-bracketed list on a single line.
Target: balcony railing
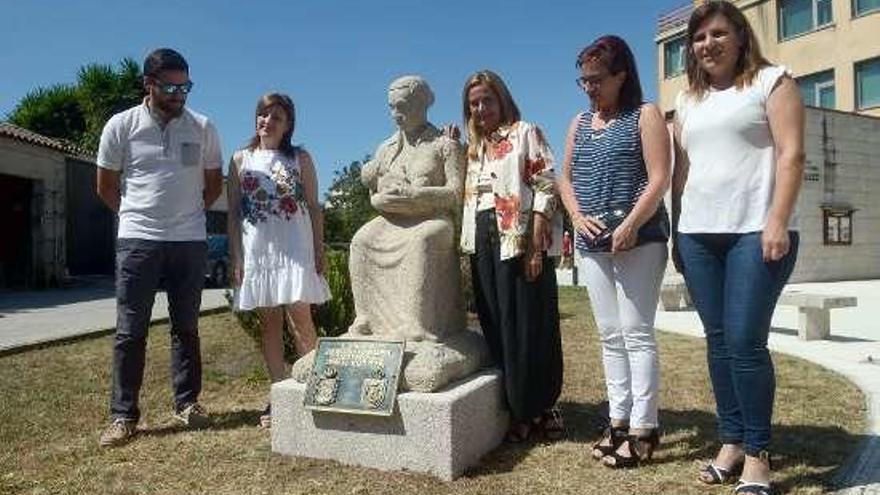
[(675, 18)]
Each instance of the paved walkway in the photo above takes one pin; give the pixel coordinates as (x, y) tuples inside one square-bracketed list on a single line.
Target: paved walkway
[(32, 318)]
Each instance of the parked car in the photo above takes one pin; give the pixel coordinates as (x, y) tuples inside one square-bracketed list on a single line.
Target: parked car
[(217, 267)]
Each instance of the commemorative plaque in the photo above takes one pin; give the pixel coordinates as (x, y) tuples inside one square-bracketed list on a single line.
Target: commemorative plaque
[(354, 376)]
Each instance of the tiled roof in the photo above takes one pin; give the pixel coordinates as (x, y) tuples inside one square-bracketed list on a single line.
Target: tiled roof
[(24, 135)]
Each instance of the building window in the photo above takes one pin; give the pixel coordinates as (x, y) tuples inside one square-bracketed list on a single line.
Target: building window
[(673, 57), (817, 89), (868, 84), (837, 226), (862, 7), (802, 16)]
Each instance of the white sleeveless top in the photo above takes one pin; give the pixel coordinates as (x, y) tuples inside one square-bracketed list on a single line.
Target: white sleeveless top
[(732, 158), (279, 263)]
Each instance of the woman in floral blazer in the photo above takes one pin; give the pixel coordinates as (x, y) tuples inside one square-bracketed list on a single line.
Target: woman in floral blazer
[(510, 199)]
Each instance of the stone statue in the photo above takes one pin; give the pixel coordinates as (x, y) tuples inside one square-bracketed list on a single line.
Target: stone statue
[(404, 264)]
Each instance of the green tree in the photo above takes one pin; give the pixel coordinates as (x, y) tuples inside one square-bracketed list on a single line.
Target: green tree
[(103, 92), (347, 204), (77, 113), (54, 112)]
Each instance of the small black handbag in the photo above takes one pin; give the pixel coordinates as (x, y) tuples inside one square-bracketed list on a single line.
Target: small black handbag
[(612, 219)]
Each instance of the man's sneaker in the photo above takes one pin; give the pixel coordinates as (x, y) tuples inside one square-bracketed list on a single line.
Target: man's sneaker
[(193, 416), (266, 417), (119, 432)]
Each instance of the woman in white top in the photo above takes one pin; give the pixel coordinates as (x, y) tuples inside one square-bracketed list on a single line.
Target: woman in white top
[(739, 135), (276, 233)]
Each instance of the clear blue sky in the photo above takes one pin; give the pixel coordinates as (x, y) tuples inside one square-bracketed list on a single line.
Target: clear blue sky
[(335, 58)]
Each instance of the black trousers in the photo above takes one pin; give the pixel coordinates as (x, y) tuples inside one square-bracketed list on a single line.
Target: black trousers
[(520, 322), (139, 265)]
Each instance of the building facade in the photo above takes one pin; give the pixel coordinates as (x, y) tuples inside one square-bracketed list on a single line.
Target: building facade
[(832, 48), (839, 206), (52, 223)]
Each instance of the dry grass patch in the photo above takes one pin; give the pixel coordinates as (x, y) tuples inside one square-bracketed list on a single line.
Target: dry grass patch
[(54, 404)]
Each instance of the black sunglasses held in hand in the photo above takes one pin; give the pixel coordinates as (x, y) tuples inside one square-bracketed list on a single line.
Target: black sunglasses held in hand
[(612, 219)]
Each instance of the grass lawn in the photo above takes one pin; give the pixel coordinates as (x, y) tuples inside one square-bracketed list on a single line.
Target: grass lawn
[(54, 401)]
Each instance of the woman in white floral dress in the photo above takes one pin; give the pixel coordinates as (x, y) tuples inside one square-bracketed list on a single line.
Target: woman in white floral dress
[(276, 233)]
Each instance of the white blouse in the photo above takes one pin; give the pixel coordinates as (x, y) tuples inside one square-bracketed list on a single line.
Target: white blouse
[(732, 172), (523, 182)]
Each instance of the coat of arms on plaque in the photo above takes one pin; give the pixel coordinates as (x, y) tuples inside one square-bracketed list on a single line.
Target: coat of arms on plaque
[(326, 387), (354, 376), (374, 389)]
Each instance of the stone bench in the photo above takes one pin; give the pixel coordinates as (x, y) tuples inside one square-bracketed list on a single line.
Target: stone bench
[(674, 295), (814, 318)]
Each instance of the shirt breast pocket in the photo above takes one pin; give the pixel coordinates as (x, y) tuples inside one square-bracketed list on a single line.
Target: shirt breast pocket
[(190, 154), (144, 152)]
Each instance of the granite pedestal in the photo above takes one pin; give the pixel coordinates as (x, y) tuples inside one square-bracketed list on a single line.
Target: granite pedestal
[(440, 433)]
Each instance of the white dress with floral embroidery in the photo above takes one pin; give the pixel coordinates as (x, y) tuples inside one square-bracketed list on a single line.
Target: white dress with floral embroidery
[(279, 262)]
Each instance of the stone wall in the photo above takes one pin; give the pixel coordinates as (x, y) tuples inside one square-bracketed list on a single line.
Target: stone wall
[(46, 168), (842, 171)]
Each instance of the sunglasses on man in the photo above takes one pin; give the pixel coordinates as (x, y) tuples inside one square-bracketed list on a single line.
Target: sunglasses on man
[(171, 88)]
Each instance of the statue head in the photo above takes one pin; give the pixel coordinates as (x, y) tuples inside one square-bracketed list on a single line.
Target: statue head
[(409, 98)]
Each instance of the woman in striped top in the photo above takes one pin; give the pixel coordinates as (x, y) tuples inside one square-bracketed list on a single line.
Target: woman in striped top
[(615, 172)]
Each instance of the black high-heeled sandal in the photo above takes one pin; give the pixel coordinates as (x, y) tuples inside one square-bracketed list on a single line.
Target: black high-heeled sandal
[(519, 432), (550, 424), (615, 435), (641, 449)]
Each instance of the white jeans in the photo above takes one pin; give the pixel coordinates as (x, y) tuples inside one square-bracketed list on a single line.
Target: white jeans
[(623, 290)]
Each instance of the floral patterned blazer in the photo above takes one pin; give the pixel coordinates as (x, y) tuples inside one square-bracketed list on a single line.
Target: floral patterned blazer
[(523, 183)]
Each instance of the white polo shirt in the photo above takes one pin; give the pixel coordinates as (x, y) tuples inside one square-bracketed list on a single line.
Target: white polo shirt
[(162, 172)]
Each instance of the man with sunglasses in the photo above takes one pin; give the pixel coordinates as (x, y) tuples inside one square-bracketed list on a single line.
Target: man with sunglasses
[(159, 168)]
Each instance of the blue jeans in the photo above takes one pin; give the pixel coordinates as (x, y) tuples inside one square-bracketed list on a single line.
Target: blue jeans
[(735, 292), (139, 265)]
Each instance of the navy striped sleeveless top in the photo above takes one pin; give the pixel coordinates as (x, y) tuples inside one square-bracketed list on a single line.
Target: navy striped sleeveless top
[(608, 173)]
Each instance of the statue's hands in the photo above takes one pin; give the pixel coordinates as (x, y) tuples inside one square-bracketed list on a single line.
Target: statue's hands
[(400, 191), (452, 131), (391, 201)]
